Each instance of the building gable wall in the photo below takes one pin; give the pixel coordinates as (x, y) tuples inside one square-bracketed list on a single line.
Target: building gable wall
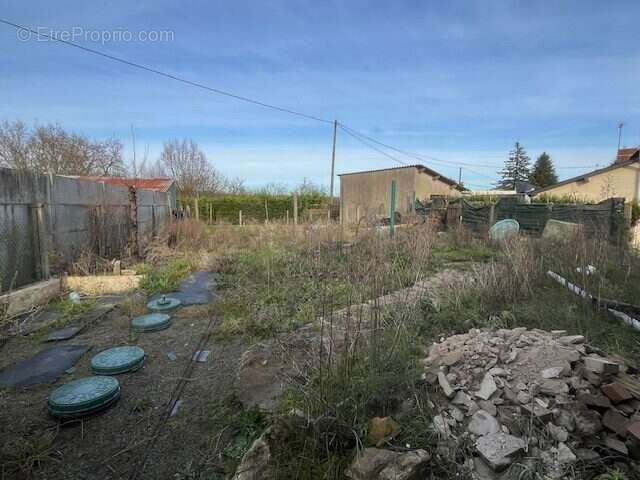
[(618, 182)]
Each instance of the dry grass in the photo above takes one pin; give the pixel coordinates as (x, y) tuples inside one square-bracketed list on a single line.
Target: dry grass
[(21, 457)]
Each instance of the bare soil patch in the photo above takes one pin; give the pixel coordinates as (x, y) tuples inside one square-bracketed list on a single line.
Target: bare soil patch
[(108, 445)]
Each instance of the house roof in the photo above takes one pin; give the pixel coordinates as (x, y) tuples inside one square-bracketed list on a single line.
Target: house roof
[(626, 154), (161, 184), (584, 176), (419, 167)]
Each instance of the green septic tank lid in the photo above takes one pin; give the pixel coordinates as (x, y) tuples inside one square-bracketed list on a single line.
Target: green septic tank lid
[(151, 322), (117, 360), (84, 396), (503, 229), (163, 303)]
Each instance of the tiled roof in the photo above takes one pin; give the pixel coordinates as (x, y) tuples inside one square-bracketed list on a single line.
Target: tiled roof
[(625, 154)]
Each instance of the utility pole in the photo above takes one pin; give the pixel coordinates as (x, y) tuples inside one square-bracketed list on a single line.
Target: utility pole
[(620, 125), (333, 159), (460, 176)]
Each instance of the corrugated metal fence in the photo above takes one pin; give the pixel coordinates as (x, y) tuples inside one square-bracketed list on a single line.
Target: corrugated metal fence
[(46, 221)]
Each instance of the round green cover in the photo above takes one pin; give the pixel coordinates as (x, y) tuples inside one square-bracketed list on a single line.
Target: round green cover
[(163, 304), (151, 322), (504, 228), (83, 396), (117, 360)]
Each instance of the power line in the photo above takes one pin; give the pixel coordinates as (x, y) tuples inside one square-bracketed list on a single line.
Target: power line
[(357, 136), (166, 75), (417, 156), (361, 137)]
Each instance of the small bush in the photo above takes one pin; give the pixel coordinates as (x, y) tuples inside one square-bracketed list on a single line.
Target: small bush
[(70, 308), (165, 278)]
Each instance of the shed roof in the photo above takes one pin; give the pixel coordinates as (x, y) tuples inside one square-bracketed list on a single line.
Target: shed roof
[(160, 184), (626, 154), (419, 167), (584, 176)]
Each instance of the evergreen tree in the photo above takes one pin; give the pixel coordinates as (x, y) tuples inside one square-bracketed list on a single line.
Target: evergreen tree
[(543, 173), (516, 168)]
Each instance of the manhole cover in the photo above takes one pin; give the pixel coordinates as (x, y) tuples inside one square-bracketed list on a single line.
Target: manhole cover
[(163, 304), (151, 322), (84, 396), (118, 360)]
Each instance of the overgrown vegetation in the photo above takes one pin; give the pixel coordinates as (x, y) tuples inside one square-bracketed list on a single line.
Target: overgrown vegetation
[(327, 414), (254, 207), (165, 277), (277, 286), (70, 308), (275, 279)]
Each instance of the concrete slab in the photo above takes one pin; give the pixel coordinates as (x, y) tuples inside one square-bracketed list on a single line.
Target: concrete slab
[(559, 230), (64, 334), (196, 289), (44, 367), (26, 298)]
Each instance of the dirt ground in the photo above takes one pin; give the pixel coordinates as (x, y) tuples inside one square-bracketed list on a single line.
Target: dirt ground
[(108, 445)]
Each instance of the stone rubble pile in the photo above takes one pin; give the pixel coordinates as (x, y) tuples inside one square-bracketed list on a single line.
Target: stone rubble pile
[(538, 394)]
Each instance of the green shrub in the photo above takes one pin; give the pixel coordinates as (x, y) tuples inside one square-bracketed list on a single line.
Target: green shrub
[(226, 207), (165, 278)]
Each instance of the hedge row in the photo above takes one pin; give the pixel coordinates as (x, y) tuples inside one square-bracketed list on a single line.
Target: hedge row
[(226, 207)]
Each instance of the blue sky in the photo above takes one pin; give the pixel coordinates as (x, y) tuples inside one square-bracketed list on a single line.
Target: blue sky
[(459, 81)]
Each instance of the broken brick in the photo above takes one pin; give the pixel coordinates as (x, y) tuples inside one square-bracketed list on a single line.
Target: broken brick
[(593, 378), (594, 400), (633, 431), (541, 413), (616, 422), (600, 365), (616, 392)]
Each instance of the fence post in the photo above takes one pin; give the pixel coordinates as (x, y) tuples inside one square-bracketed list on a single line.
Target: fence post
[(392, 220), (240, 217), (492, 214), (195, 206), (133, 221), (287, 217), (266, 211), (53, 222), (295, 208), (41, 232), (102, 241), (210, 213)]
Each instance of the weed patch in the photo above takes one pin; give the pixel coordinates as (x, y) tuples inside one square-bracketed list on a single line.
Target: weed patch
[(165, 277), (238, 429), (26, 455)]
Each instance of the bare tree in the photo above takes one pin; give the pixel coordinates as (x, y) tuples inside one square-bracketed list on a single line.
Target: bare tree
[(189, 167), (307, 186), (50, 149), (273, 188), (234, 186), (15, 146)]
